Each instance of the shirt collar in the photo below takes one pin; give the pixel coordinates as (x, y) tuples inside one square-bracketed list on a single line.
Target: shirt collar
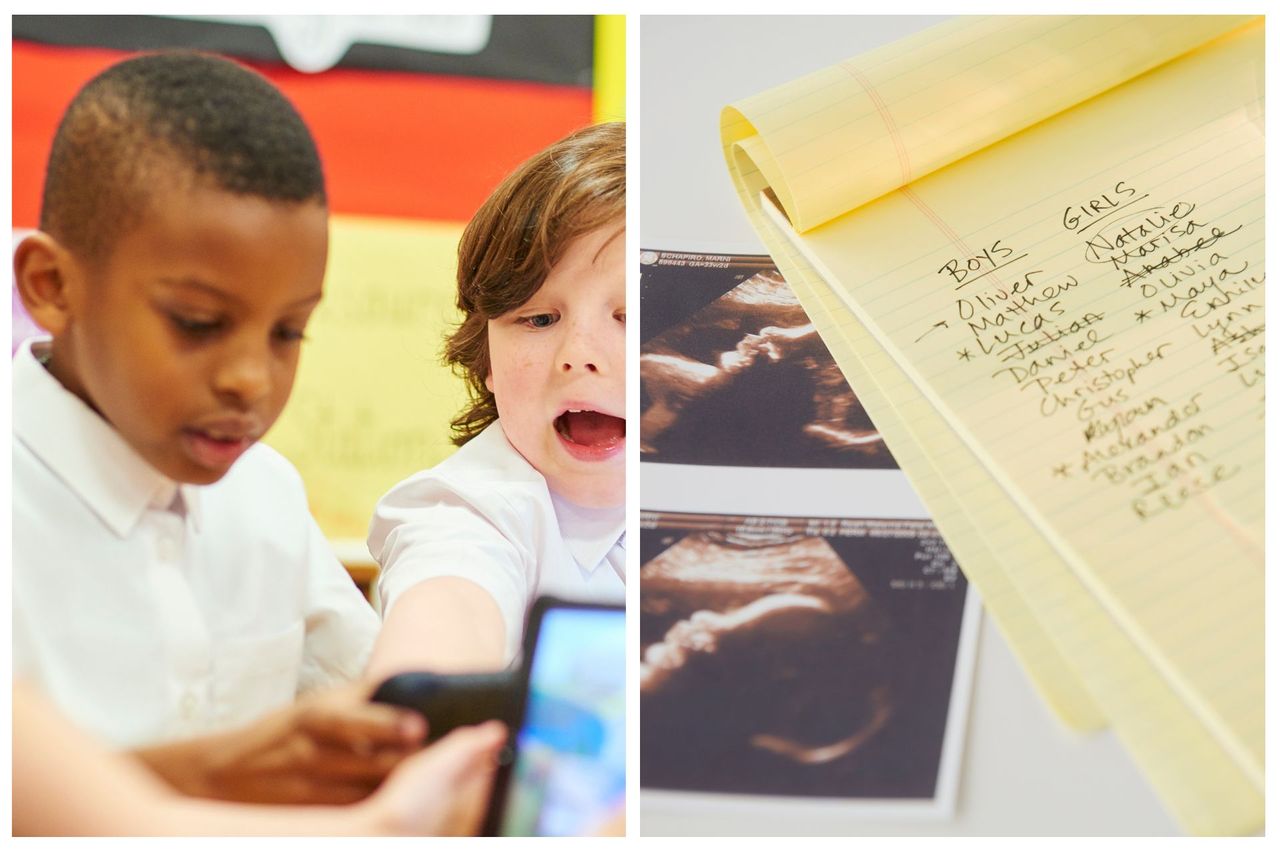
[(588, 533), (86, 453)]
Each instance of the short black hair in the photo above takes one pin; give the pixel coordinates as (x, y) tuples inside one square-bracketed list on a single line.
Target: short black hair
[(205, 116)]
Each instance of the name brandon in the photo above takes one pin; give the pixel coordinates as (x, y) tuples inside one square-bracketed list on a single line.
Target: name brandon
[(1126, 454)]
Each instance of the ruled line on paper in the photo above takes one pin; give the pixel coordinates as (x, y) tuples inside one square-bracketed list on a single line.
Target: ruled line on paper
[(1184, 538), (804, 158)]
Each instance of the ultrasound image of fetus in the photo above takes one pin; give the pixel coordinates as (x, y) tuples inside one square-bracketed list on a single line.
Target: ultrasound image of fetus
[(764, 668), (747, 381)]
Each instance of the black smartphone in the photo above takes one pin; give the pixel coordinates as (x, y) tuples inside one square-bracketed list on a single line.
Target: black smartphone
[(450, 701), (566, 773)]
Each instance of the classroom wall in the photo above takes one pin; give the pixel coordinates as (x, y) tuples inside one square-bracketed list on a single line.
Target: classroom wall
[(416, 122)]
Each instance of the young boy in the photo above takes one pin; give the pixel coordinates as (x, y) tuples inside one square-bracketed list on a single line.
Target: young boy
[(169, 585), (533, 502)]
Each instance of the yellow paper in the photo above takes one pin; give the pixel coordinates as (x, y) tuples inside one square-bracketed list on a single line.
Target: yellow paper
[(841, 137), (372, 401), (1147, 579), (1031, 593), (963, 531)]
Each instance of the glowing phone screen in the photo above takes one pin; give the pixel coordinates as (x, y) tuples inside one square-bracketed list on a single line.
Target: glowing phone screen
[(569, 776)]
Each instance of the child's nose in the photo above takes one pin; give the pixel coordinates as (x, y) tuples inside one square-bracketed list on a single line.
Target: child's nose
[(244, 375), (588, 366), (582, 350)]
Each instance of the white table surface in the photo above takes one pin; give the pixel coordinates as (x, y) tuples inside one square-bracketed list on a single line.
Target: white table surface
[(1023, 773)]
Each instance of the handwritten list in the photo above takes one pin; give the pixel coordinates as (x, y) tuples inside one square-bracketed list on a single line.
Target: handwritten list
[(1046, 336), (1062, 337)]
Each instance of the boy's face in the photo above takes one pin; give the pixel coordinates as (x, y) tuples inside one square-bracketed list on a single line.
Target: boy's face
[(557, 372), (186, 338)]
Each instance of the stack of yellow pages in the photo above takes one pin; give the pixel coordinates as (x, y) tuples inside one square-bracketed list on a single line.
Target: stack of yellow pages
[(1035, 247)]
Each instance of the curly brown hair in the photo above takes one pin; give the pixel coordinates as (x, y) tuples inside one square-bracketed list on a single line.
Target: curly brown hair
[(573, 187)]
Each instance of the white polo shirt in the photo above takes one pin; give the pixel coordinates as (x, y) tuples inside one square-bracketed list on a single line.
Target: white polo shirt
[(150, 610), (486, 514)]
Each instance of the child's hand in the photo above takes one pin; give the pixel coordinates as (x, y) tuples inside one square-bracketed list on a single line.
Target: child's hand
[(330, 747), (444, 789)]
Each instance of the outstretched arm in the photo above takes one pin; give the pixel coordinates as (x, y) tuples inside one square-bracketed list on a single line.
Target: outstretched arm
[(443, 624)]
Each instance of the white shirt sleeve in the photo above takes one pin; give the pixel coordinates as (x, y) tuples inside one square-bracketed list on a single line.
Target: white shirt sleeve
[(340, 626), (24, 663), (423, 529)]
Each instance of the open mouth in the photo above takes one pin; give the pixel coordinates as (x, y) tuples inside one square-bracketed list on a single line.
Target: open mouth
[(589, 434), (214, 448)]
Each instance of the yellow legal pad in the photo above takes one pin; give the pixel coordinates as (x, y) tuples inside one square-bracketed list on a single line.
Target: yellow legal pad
[(1035, 247)]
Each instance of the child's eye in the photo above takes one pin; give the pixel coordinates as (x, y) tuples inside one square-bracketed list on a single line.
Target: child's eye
[(289, 334), (195, 327), (539, 321), (621, 317)]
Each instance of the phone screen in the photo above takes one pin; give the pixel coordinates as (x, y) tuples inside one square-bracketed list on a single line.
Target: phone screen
[(569, 775)]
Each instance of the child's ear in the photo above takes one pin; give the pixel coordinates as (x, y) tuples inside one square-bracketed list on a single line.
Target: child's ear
[(488, 381), (41, 267)]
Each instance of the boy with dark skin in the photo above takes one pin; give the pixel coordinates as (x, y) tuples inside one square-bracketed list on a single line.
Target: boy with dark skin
[(181, 251)]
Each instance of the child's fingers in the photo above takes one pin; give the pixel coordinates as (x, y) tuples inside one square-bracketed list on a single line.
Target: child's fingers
[(469, 754), (443, 789), (337, 794), (470, 775), (301, 789), (480, 742), (339, 764), (363, 728)]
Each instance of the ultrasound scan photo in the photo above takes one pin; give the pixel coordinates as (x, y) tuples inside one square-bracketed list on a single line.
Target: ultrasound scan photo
[(783, 662), (744, 379)]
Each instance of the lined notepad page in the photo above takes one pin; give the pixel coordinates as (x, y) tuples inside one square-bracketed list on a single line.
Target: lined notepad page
[(1093, 410), (943, 94), (1084, 666)]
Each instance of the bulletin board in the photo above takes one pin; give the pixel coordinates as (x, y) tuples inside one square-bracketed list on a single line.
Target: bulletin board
[(417, 119)]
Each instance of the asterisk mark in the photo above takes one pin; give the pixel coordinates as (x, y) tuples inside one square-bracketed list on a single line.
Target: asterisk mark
[(964, 354)]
